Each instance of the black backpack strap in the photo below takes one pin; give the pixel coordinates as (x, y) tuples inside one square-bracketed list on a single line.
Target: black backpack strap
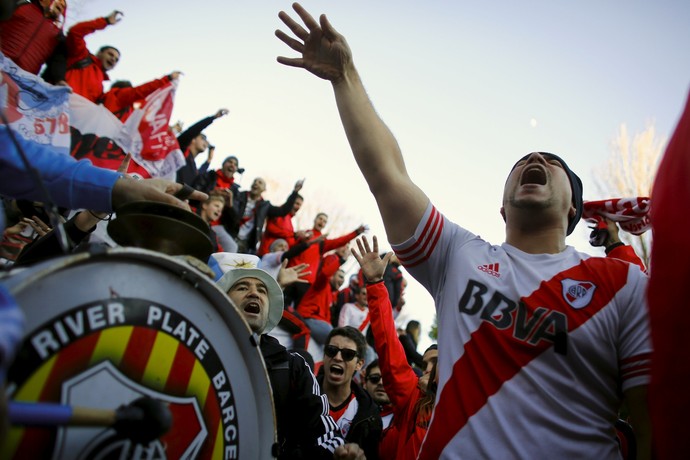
[(81, 64)]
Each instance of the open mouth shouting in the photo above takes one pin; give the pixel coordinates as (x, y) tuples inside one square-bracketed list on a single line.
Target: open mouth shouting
[(252, 307), (533, 174), (336, 370)]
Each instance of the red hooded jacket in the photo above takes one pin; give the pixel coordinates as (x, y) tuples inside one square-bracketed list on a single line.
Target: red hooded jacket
[(312, 256), (317, 301), (277, 227), (403, 438), (85, 72), (28, 37)]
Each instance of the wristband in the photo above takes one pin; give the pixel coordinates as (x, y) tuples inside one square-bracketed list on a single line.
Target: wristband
[(106, 218)]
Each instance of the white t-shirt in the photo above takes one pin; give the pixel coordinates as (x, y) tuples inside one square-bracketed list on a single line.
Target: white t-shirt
[(248, 219), (352, 315), (534, 349)]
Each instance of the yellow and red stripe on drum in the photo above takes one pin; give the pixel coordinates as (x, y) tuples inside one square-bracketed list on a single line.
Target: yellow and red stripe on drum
[(148, 356)]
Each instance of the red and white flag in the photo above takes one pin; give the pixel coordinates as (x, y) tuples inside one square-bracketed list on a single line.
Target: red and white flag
[(34, 110), (155, 147), (101, 137)]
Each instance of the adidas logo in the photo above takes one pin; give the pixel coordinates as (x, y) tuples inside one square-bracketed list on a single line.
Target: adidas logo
[(491, 269)]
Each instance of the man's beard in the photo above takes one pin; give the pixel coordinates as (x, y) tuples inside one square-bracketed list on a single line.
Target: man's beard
[(530, 203)]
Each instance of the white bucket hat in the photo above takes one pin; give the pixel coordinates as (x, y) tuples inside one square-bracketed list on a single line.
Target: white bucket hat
[(239, 266)]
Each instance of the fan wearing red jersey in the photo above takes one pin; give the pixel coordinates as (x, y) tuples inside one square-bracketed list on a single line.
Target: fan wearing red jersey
[(536, 354)]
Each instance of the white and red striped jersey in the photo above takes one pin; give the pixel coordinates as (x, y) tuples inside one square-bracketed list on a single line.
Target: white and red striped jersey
[(352, 315), (534, 349)]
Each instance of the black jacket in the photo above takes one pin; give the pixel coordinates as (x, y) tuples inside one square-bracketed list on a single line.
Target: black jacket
[(304, 432), (188, 173), (263, 209), (367, 427)]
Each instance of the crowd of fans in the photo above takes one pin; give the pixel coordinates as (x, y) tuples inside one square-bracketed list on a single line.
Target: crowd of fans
[(306, 263), (364, 389)]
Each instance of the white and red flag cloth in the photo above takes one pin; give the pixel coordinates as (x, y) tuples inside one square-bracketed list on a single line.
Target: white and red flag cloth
[(631, 214), (35, 110), (101, 137)]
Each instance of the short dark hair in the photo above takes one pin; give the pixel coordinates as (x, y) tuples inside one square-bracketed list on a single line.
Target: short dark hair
[(370, 366), (121, 84), (412, 324), (353, 334), (108, 47), (433, 346)]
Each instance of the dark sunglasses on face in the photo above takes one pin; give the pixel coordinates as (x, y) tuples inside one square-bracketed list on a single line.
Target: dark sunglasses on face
[(375, 379), (346, 353)]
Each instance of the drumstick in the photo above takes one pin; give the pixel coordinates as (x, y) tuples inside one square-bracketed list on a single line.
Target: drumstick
[(141, 421)]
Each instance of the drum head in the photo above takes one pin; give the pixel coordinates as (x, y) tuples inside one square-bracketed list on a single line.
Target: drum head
[(103, 330), (161, 227)]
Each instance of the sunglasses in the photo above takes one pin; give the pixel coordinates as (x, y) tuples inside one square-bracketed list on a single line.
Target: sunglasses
[(331, 351), (375, 379)]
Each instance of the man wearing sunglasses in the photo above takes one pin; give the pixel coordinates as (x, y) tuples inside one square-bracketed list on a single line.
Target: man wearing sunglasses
[(541, 344), (305, 430), (355, 412), (373, 383)]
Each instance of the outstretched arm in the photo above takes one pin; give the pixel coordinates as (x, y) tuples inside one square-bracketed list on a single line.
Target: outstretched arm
[(399, 379), (326, 54), (76, 45)]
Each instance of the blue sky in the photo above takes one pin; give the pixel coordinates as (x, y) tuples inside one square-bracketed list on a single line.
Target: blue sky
[(467, 88)]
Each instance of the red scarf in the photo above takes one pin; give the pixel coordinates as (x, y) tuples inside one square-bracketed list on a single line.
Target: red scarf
[(630, 213), (222, 181)]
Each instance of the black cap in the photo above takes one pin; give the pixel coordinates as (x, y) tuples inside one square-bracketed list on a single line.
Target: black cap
[(575, 187), (233, 157)]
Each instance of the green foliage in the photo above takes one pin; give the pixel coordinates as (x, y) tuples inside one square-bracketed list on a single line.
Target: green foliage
[(433, 333)]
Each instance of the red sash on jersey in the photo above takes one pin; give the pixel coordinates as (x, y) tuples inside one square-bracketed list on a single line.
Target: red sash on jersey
[(365, 323), (493, 356)]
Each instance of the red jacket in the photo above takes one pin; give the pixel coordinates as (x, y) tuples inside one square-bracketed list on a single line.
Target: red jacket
[(85, 72), (28, 37), (628, 254), (318, 299), (669, 315), (277, 227), (312, 255), (403, 438), (120, 101)]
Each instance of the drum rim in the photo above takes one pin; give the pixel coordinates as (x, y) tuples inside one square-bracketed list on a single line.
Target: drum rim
[(186, 272)]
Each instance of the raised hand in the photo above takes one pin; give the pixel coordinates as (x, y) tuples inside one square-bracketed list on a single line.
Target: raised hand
[(295, 274), (325, 52), (221, 113), (114, 17), (373, 266)]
